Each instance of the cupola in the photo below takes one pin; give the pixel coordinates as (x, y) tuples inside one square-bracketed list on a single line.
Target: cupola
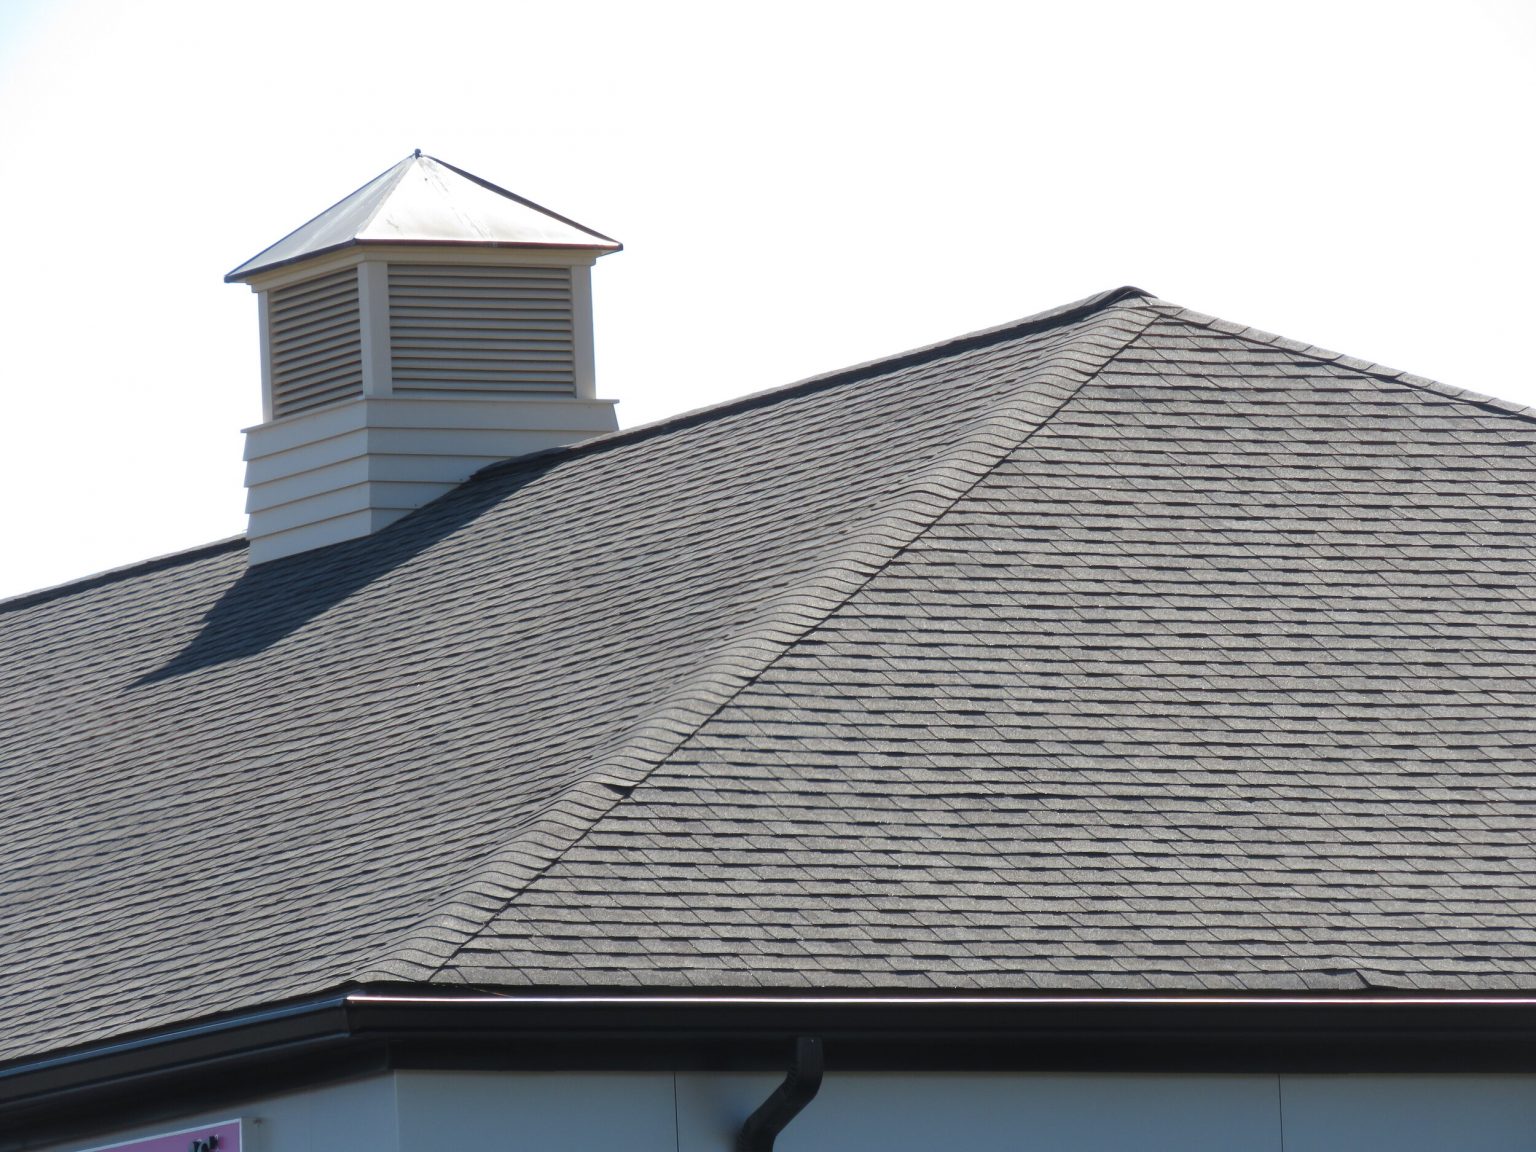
[(425, 326)]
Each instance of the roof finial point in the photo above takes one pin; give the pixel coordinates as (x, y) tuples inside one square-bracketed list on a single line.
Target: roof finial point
[(417, 156)]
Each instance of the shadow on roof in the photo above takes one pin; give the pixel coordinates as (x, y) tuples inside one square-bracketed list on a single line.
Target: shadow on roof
[(272, 601)]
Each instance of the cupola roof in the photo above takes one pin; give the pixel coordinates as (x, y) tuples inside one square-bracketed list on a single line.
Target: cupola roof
[(422, 200)]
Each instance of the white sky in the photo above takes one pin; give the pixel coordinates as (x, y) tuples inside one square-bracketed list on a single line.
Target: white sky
[(798, 187)]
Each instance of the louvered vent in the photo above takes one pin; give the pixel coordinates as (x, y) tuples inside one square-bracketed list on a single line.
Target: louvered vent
[(481, 329), (316, 343)]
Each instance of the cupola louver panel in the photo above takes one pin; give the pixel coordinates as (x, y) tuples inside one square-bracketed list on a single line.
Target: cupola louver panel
[(467, 328), (315, 343)]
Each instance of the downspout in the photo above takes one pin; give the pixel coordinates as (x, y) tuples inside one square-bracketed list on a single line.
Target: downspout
[(799, 1089)]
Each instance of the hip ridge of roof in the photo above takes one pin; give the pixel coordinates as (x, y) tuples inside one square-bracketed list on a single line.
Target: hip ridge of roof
[(429, 950)]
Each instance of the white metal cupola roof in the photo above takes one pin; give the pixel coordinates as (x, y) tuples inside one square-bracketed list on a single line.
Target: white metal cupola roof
[(423, 200)]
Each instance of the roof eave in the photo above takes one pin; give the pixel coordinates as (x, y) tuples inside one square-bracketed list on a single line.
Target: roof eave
[(354, 1031)]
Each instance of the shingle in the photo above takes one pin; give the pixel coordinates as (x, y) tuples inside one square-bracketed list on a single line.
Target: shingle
[(1119, 649), (1429, 643)]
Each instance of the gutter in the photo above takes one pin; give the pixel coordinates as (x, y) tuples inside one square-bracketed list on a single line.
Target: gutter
[(358, 1031)]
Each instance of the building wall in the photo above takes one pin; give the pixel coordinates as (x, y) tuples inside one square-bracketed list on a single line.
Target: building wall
[(701, 1112)]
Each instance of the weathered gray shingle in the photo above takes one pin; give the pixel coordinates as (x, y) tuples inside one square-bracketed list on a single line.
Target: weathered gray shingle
[(1122, 649)]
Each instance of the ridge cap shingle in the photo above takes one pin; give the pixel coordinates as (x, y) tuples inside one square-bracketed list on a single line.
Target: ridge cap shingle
[(546, 837)]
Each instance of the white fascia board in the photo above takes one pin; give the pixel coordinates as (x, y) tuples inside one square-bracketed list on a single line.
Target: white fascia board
[(406, 253)]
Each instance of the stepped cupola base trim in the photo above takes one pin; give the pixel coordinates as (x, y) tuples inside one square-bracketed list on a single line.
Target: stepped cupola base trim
[(350, 469)]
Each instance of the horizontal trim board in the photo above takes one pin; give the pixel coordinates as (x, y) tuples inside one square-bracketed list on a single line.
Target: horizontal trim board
[(401, 253)]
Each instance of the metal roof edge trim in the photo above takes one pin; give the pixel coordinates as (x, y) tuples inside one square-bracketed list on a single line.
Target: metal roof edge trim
[(244, 271), (355, 242), (919, 1000), (365, 1017)]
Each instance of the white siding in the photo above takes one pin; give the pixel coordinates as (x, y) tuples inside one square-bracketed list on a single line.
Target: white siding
[(351, 468)]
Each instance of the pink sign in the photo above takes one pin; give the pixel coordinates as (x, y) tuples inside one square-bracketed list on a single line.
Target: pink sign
[(223, 1137)]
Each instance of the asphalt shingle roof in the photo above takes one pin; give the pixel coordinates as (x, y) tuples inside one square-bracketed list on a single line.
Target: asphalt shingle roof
[(1121, 648)]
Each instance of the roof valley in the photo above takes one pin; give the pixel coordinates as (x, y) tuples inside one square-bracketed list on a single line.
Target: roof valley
[(1085, 346)]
